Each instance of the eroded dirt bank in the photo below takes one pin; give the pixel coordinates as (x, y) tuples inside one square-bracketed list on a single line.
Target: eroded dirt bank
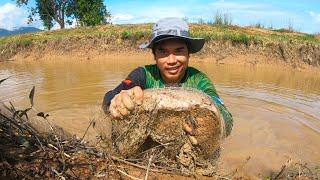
[(298, 55)]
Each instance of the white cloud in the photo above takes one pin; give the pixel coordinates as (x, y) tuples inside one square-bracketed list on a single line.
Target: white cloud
[(72, 25), (147, 15), (12, 16), (237, 6), (315, 16), (250, 10), (55, 26), (122, 17), (162, 12)]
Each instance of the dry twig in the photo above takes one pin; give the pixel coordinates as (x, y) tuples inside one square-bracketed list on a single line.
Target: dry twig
[(148, 167), (126, 174)]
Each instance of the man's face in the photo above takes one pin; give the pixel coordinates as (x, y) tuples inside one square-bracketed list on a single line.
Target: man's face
[(172, 58)]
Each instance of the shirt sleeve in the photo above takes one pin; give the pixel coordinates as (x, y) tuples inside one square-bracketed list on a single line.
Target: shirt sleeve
[(136, 78), (206, 86)]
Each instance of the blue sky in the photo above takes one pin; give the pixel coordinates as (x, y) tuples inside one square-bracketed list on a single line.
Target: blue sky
[(303, 16)]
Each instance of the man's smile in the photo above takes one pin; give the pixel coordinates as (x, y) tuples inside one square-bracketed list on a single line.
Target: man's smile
[(173, 70)]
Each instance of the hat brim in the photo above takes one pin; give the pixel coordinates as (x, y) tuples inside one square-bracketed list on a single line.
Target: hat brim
[(194, 44)]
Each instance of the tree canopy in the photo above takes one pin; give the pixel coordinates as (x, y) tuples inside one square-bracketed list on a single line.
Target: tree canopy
[(88, 12), (85, 12)]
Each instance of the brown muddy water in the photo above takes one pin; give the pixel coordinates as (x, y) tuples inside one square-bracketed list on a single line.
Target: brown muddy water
[(276, 111)]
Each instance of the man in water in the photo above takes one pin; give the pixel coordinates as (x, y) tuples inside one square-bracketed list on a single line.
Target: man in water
[(171, 46)]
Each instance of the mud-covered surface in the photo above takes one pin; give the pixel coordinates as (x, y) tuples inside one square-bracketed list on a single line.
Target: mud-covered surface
[(155, 130), (164, 139)]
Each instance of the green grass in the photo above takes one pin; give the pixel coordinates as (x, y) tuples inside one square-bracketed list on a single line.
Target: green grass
[(143, 31), (134, 35)]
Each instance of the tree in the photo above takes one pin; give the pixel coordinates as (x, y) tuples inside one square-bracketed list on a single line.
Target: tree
[(89, 12), (49, 11), (86, 12), (45, 17)]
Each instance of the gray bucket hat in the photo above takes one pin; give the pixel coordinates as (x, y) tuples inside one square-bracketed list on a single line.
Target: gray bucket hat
[(173, 28)]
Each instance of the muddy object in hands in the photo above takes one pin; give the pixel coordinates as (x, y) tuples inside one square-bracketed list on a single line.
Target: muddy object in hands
[(158, 123)]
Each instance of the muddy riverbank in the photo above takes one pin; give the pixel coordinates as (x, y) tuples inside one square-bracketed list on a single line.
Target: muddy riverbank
[(221, 52), (224, 44)]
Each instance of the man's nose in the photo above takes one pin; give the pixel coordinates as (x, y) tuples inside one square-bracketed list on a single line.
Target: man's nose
[(172, 58)]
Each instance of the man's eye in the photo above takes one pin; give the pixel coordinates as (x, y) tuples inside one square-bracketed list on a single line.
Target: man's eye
[(179, 51), (162, 51)]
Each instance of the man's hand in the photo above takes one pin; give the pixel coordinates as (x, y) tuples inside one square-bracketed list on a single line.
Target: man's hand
[(196, 127), (124, 102)]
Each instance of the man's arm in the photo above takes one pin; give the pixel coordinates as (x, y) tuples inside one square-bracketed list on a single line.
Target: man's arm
[(206, 86), (136, 78)]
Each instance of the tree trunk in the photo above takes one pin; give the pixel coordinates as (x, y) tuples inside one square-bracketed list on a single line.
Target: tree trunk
[(61, 23)]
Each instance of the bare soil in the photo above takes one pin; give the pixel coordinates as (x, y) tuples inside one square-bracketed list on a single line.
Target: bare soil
[(296, 55)]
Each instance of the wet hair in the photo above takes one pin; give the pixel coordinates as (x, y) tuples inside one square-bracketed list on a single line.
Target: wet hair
[(157, 43)]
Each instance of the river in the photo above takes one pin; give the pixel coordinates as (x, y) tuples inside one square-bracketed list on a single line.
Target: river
[(276, 111)]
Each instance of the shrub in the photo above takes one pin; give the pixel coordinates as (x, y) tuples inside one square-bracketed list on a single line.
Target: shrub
[(126, 34)]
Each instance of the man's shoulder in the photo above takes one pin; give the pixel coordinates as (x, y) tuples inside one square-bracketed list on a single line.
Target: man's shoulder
[(150, 66)]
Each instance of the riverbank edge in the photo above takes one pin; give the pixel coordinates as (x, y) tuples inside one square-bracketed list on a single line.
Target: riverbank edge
[(220, 53), (296, 55)]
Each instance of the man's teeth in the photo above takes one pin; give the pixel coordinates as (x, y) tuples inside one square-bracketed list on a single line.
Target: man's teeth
[(172, 68)]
